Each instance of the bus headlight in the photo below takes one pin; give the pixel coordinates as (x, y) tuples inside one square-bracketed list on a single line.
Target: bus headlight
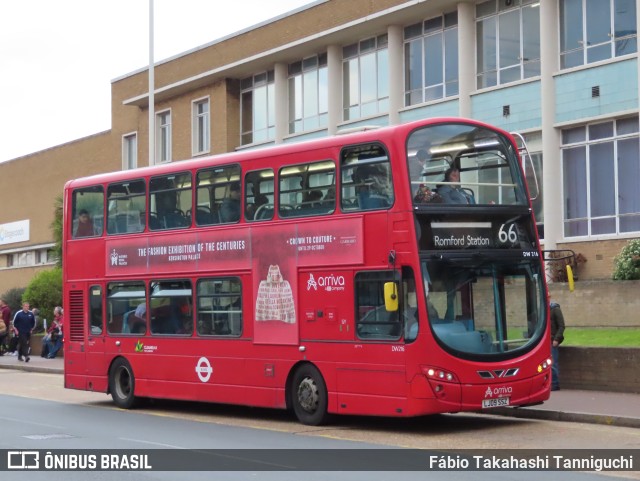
[(544, 365), (438, 374)]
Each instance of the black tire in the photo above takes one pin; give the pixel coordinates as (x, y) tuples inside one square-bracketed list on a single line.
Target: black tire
[(309, 396), (122, 384)]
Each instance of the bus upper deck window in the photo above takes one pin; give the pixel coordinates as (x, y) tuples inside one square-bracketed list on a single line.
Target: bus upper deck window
[(464, 164), (88, 208), (366, 178)]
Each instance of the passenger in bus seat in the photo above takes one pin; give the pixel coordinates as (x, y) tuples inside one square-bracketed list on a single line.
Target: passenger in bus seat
[(230, 207), (312, 201), (85, 225), (425, 195), (452, 193)]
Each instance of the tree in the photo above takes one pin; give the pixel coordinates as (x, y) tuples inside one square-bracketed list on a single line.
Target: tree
[(45, 291), (56, 228), (13, 298)]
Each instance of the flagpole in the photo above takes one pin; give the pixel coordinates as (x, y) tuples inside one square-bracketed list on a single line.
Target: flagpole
[(152, 129)]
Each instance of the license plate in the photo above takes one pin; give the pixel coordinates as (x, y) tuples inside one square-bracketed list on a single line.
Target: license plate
[(494, 403)]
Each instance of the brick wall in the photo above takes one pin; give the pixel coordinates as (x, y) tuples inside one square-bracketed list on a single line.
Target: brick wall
[(603, 303), (612, 369), (599, 255)]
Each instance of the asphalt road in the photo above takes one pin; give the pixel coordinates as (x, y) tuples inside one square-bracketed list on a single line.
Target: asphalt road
[(38, 413)]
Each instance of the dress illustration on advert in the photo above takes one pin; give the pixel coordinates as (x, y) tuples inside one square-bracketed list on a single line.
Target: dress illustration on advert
[(275, 298)]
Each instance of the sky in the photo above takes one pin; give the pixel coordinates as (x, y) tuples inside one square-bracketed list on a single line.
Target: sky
[(58, 57)]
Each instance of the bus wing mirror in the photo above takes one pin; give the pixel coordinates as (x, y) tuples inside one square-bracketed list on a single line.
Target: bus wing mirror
[(391, 296)]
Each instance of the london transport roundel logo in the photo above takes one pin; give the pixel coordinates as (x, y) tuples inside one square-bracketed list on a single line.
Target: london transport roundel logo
[(204, 369)]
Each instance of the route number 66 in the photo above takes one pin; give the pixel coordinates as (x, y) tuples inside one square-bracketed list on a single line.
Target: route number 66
[(507, 235)]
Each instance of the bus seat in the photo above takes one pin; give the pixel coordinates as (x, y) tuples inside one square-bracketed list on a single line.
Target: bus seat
[(474, 341), (154, 222), (264, 212), (366, 200), (175, 219), (204, 216), (121, 223)]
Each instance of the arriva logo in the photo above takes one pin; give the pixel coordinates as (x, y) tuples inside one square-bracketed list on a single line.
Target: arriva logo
[(328, 283), (498, 391)]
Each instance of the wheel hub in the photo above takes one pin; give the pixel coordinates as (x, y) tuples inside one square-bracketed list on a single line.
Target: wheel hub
[(308, 397)]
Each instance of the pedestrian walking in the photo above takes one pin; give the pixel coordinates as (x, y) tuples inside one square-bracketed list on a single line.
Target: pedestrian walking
[(557, 336), (23, 323)]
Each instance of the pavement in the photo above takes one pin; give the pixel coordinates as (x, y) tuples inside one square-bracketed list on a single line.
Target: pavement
[(568, 405)]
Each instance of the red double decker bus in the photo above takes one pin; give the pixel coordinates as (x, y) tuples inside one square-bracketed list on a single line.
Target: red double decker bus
[(388, 272)]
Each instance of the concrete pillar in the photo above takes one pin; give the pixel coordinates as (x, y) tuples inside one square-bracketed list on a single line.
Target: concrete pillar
[(334, 74), (638, 63), (466, 57), (281, 74), (552, 168), (396, 62)]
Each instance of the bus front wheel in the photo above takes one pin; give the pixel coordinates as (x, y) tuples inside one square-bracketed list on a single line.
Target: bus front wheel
[(122, 384), (309, 396)]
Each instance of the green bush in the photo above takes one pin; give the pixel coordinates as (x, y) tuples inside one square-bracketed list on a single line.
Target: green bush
[(626, 265), (45, 292)]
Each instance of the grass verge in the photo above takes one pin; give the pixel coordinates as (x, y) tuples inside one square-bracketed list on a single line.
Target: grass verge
[(602, 337)]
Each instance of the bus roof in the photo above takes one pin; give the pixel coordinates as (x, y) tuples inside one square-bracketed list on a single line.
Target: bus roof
[(339, 140)]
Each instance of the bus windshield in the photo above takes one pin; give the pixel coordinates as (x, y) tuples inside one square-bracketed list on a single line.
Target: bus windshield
[(485, 308), (458, 163)]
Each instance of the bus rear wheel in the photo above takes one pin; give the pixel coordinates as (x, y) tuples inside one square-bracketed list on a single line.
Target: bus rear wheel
[(309, 396), (122, 384)]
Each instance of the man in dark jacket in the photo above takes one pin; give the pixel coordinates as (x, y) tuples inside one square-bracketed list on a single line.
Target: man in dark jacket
[(23, 323), (557, 336)]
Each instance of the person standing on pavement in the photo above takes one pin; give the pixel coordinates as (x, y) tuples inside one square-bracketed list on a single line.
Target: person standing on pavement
[(54, 342), (557, 336), (5, 318), (23, 323)]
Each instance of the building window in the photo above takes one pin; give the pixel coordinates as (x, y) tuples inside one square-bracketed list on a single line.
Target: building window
[(257, 108), (308, 94), (365, 78), (508, 41), (201, 127), (129, 151), (601, 174), (594, 30), (163, 136), (431, 59)]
